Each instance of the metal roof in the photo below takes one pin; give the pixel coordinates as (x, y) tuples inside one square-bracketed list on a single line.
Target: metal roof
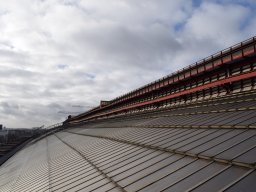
[(207, 145)]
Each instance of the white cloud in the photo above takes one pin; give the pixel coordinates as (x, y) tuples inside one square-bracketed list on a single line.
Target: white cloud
[(55, 54), (215, 20)]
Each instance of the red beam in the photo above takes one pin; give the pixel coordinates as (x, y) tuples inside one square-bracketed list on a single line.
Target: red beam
[(216, 59), (185, 92)]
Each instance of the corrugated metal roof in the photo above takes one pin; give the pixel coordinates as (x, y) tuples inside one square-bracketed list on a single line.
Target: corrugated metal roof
[(203, 146)]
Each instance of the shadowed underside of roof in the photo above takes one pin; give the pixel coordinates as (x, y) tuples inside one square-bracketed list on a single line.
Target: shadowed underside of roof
[(156, 151)]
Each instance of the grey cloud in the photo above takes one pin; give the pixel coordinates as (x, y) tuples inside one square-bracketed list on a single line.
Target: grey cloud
[(11, 73), (119, 47), (13, 57), (9, 108)]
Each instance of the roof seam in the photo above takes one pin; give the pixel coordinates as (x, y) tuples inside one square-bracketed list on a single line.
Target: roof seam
[(242, 153), (180, 180), (92, 164), (230, 162), (187, 126), (235, 144), (48, 165), (207, 179), (237, 180), (185, 165), (205, 112), (197, 104)]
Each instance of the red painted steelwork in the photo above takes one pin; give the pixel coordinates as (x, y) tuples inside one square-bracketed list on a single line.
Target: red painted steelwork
[(185, 92), (235, 52), (199, 67), (194, 72)]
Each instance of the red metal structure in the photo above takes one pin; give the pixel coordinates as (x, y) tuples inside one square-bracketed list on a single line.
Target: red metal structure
[(230, 70)]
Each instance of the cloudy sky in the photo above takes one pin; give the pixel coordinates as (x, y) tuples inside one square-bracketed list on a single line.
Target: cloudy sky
[(60, 56)]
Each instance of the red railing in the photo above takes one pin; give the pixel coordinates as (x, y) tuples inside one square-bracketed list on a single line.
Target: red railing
[(225, 56), (185, 92), (237, 51)]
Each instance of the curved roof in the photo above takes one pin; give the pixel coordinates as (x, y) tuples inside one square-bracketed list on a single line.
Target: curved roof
[(193, 133), (207, 145)]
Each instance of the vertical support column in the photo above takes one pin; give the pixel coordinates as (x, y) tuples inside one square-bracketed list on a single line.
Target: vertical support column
[(227, 72), (242, 50), (254, 40)]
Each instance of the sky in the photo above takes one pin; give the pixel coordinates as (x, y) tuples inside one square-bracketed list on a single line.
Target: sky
[(64, 56)]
